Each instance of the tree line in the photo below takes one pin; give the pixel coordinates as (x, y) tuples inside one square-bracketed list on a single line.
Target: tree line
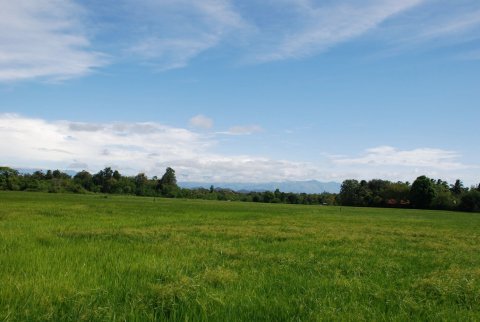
[(110, 181), (423, 193)]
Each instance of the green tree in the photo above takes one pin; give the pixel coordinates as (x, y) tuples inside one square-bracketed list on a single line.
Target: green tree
[(104, 179), (167, 185), (444, 199), (470, 201), (141, 182), (422, 192), (268, 196), (350, 193), (38, 175), (9, 179), (84, 178), (457, 188)]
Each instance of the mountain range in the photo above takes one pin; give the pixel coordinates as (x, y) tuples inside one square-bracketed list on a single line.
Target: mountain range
[(312, 186)]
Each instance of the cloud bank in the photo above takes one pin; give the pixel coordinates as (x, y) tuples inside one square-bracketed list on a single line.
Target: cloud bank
[(132, 148), (151, 147)]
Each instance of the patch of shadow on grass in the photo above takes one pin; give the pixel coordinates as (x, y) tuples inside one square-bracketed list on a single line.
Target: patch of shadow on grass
[(273, 239), (52, 212), (46, 241)]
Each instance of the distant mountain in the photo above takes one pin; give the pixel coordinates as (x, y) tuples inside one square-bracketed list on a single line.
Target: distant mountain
[(312, 186)]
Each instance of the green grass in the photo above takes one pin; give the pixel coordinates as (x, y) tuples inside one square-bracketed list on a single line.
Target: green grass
[(87, 257)]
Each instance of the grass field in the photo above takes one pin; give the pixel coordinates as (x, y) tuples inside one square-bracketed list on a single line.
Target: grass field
[(89, 257)]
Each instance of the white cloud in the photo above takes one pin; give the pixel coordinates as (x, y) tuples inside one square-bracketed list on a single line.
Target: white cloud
[(315, 28), (390, 156), (387, 162), (243, 130), (132, 148), (437, 24), (201, 122), (459, 24), (44, 39), (177, 31), (170, 34)]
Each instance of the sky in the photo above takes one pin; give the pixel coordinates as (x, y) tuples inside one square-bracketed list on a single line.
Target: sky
[(242, 90)]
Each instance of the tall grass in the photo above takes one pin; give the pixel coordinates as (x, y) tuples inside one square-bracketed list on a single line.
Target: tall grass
[(89, 257)]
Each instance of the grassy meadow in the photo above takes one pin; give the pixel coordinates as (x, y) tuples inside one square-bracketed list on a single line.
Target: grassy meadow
[(89, 257)]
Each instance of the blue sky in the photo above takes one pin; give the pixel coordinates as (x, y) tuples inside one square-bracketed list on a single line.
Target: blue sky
[(226, 90)]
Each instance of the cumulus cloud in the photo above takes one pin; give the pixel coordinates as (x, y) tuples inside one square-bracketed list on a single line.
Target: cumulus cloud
[(44, 39), (132, 148), (201, 122)]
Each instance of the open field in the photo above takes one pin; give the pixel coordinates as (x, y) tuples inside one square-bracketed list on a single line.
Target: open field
[(89, 257)]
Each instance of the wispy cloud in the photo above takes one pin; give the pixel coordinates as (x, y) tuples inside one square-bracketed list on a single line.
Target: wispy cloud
[(48, 38), (177, 31), (436, 24), (201, 122), (317, 28), (243, 130), (44, 39), (294, 29), (460, 23)]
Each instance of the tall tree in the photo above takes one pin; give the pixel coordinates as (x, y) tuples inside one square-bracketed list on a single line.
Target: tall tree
[(141, 182), (167, 185), (104, 179), (422, 192), (457, 188), (350, 193)]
